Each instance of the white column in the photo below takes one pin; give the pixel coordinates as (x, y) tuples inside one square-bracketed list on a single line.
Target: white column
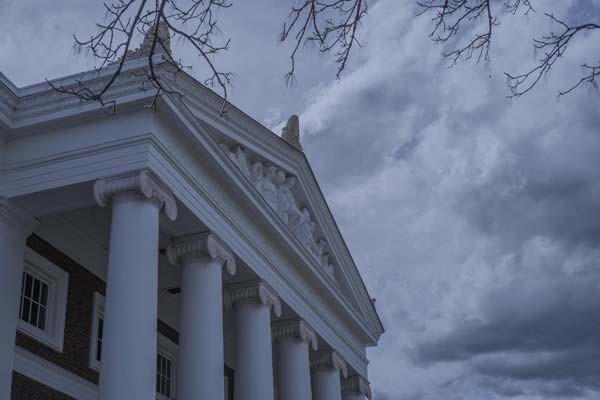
[(200, 364), (293, 367), (253, 352), (128, 366), (15, 226), (355, 387), (326, 368)]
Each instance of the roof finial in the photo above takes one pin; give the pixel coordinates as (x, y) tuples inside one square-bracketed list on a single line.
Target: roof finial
[(291, 132), (162, 46), (163, 39)]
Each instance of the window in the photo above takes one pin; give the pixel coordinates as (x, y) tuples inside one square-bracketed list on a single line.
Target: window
[(34, 300), (164, 376), (166, 368), (43, 304), (97, 331)]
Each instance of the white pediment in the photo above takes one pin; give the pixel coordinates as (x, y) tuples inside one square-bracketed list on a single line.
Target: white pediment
[(276, 188)]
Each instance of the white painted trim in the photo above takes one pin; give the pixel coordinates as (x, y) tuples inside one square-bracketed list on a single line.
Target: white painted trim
[(58, 278), (49, 374)]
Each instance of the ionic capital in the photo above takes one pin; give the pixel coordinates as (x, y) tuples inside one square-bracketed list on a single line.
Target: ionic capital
[(253, 292), (204, 244), (17, 219), (329, 359), (140, 183), (297, 328), (357, 384)]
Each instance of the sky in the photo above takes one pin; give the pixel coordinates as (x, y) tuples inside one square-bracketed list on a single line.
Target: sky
[(474, 219)]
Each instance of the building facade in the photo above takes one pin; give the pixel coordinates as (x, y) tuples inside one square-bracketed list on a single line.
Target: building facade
[(170, 252)]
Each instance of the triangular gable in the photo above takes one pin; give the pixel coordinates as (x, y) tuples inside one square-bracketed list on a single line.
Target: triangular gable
[(281, 190)]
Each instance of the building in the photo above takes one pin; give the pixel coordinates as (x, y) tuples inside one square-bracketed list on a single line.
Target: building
[(168, 252)]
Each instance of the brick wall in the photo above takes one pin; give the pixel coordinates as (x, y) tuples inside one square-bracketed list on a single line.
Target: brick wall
[(78, 325), (26, 388)]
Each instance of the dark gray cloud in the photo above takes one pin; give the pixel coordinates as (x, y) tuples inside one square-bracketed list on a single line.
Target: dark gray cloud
[(473, 219)]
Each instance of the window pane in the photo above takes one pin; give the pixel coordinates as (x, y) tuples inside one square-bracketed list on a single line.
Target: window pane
[(26, 307), (33, 320), (36, 290), (99, 350), (100, 328), (28, 285), (157, 383), (44, 298), (42, 318)]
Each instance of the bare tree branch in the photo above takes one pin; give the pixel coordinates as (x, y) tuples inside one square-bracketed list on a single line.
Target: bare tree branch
[(477, 16), (553, 46), (330, 24), (159, 21)]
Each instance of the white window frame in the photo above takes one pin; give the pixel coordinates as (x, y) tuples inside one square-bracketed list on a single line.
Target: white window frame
[(54, 334), (96, 315), (170, 350)]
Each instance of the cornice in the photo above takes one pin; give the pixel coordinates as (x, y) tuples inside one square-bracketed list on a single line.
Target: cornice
[(203, 244), (297, 328), (252, 292), (141, 183), (329, 359), (357, 384)]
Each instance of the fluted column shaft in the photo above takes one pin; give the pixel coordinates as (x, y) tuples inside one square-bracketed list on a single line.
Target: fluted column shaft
[(15, 226), (128, 366), (200, 364), (325, 378), (253, 352), (293, 367)]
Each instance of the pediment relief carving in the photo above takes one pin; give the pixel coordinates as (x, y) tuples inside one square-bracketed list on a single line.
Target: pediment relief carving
[(275, 186)]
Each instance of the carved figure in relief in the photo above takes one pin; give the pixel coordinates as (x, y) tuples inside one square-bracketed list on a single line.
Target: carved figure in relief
[(286, 204), (304, 229), (319, 248), (264, 183), (330, 269), (276, 189), (240, 159)]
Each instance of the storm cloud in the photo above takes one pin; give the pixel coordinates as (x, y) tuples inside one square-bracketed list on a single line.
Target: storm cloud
[(474, 219)]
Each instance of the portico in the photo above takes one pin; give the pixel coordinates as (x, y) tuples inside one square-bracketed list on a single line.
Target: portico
[(209, 232)]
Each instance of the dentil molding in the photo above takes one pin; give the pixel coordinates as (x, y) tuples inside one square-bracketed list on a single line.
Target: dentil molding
[(141, 183), (329, 359), (203, 244), (357, 384), (252, 292)]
